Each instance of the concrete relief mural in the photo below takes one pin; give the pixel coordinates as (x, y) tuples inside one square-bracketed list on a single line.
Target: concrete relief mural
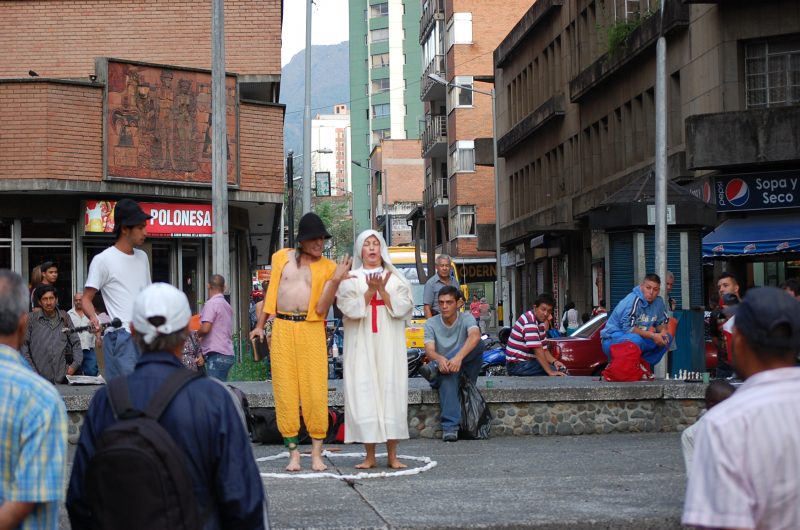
[(159, 124)]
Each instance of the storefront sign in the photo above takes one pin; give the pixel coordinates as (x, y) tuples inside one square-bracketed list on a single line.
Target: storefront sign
[(758, 191), (169, 220), (262, 275), (477, 272), (651, 214)]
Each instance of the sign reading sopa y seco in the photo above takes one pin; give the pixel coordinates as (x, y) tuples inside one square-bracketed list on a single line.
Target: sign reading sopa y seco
[(169, 219), (757, 191)]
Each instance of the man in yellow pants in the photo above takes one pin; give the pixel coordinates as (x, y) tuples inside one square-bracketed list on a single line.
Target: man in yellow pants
[(302, 288)]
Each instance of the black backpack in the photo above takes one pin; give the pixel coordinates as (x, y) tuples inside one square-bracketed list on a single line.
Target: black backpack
[(138, 477)]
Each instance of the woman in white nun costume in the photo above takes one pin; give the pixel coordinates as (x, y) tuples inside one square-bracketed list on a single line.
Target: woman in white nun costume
[(376, 301)]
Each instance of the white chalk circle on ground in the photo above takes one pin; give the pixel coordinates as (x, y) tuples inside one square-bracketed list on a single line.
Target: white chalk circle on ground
[(428, 464)]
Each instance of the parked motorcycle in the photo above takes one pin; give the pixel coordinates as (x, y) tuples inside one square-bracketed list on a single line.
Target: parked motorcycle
[(494, 353), (415, 357)]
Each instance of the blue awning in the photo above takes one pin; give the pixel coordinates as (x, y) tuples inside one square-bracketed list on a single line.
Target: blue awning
[(764, 234)]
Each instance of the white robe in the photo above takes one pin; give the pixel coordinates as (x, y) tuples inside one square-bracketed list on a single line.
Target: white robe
[(375, 364)]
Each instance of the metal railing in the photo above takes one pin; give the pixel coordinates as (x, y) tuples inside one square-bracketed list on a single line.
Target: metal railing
[(435, 193), (436, 66), (431, 10), (435, 131)]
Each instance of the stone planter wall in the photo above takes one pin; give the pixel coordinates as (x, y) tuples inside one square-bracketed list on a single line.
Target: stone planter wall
[(519, 406)]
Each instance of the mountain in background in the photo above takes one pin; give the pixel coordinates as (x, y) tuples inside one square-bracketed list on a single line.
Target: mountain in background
[(330, 84)]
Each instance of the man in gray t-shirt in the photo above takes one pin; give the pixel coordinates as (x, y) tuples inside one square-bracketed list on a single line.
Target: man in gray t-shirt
[(453, 346)]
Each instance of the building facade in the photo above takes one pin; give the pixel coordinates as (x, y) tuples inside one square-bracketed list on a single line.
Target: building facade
[(576, 131), (117, 104), (384, 72), (457, 38), (396, 188), (330, 151)]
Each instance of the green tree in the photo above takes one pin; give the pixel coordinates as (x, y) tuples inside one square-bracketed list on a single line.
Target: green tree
[(336, 216)]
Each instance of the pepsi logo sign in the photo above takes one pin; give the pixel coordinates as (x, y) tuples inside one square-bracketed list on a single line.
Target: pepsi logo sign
[(749, 248), (777, 189), (718, 248), (737, 192)]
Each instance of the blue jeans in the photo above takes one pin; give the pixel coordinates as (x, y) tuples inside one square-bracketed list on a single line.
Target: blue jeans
[(447, 384), (218, 365), (120, 354), (89, 365), (651, 352), (525, 368)]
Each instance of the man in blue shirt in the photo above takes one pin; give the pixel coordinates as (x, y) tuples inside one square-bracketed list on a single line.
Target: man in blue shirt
[(33, 424), (640, 318), (202, 420)]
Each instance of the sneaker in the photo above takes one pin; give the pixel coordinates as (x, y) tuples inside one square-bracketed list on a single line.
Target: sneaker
[(450, 437), (429, 371)]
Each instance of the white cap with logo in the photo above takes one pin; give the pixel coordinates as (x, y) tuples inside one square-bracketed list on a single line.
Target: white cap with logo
[(164, 301)]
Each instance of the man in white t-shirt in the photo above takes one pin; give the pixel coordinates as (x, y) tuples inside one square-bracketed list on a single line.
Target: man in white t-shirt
[(120, 272)]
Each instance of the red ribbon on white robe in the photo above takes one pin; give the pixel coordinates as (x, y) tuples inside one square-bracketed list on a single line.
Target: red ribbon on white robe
[(375, 303)]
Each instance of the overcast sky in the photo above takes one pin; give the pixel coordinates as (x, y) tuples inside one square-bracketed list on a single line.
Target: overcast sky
[(329, 25)]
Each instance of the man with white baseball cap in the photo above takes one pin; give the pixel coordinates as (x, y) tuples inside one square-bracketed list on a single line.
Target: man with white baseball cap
[(202, 420)]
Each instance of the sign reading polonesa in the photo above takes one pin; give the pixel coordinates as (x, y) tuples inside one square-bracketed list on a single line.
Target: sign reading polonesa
[(169, 219)]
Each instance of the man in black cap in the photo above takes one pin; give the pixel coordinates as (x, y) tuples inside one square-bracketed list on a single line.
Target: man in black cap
[(302, 288), (728, 290), (121, 271), (747, 454)]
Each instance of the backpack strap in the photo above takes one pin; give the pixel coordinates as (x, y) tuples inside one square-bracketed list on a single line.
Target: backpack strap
[(120, 399), (167, 391)]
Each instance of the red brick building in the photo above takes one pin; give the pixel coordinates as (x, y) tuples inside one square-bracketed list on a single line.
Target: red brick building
[(395, 188), (458, 214), (104, 100)]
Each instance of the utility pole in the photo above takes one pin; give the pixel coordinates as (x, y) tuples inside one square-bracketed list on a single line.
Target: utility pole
[(220, 262), (307, 117), (290, 195), (661, 168)]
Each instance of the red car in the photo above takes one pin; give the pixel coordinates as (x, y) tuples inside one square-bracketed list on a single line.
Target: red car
[(581, 352)]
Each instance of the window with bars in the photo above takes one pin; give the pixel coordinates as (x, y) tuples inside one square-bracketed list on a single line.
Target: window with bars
[(459, 29), (772, 73), (380, 60), (462, 156), (461, 97), (380, 110), (379, 35), (380, 85), (379, 10), (381, 134), (462, 221)]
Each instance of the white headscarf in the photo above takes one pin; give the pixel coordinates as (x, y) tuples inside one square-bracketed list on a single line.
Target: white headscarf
[(387, 261)]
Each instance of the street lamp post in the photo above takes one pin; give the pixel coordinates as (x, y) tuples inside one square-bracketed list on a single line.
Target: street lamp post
[(290, 158), (498, 267), (387, 217), (660, 163)]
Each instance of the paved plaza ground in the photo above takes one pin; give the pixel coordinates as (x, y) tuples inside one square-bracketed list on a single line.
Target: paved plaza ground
[(626, 481)]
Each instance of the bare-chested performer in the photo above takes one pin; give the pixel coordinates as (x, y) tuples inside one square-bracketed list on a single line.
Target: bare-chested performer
[(300, 293)]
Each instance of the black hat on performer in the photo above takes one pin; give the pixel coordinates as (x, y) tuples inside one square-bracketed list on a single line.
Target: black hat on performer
[(311, 227)]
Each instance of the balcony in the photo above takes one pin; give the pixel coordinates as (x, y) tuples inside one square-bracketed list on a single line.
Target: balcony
[(751, 137), (432, 10), (434, 137), (430, 90), (641, 40), (435, 196)]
